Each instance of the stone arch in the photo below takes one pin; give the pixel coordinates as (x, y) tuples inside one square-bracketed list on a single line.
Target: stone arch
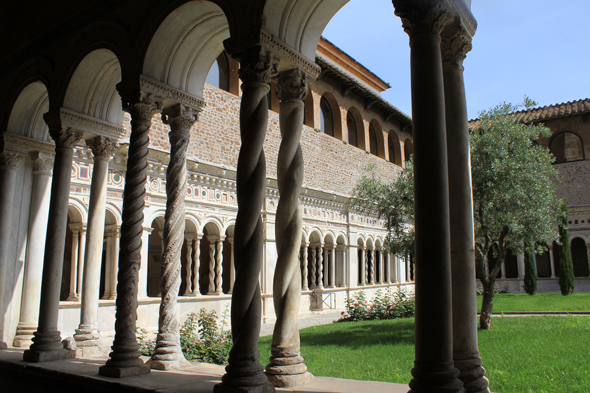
[(376, 144), (393, 146), (73, 251), (92, 88), (300, 23), (108, 267), (115, 212), (330, 122), (185, 45), (219, 73), (567, 146), (361, 266), (355, 115), (212, 233), (26, 116)]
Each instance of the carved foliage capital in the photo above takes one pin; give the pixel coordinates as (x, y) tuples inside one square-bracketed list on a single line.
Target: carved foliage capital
[(455, 43), (65, 137), (8, 158), (256, 66), (417, 19), (102, 146), (292, 84), (180, 118), (43, 162), (142, 107)]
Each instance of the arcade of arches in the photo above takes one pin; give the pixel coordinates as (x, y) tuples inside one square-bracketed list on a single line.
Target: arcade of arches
[(130, 184)]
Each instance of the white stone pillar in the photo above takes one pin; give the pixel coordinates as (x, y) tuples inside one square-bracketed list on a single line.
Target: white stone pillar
[(81, 257), (520, 265), (304, 270), (188, 275), (320, 285), (551, 259), (115, 267), (87, 335), (47, 341), (332, 269), (363, 266), (74, 262), (219, 266), (211, 289), (313, 267), (107, 266), (345, 265), (326, 269), (197, 266), (232, 269), (40, 195)]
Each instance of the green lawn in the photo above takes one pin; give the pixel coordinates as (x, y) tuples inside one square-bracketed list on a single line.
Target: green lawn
[(504, 302), (520, 354)]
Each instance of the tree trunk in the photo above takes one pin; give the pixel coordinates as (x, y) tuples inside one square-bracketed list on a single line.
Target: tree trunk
[(487, 304)]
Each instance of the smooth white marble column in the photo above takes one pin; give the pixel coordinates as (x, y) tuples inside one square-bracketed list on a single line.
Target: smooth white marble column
[(75, 228), (47, 341), (87, 335), (8, 170), (332, 265), (115, 265), (40, 195), (107, 265), (520, 265), (81, 257), (551, 259)]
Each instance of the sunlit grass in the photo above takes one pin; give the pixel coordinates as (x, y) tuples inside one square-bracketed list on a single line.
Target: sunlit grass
[(505, 302), (520, 354)]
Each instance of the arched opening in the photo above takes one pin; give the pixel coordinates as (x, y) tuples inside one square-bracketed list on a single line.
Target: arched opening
[(352, 130), (210, 283), (567, 146), (376, 139), (329, 264), (155, 251), (580, 257), (543, 263), (228, 260), (361, 262), (393, 148), (370, 262), (308, 112), (341, 261), (74, 252), (408, 150), (110, 253), (326, 118), (218, 75), (374, 148)]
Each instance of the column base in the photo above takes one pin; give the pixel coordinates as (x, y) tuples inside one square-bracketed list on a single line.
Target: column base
[(435, 378), (46, 356), (122, 372), (472, 374), (287, 370), (168, 358), (3, 345), (289, 380), (72, 298), (24, 335), (264, 388), (215, 293)]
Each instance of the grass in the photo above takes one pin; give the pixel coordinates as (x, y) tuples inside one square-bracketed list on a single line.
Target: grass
[(505, 302), (520, 354)]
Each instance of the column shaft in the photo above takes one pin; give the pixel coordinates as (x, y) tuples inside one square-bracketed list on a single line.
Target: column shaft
[(332, 270), (74, 264), (304, 257), (47, 341), (81, 257), (87, 334), (212, 240), (189, 266), (108, 265), (196, 275), (219, 267), (552, 261), (320, 285), (313, 267)]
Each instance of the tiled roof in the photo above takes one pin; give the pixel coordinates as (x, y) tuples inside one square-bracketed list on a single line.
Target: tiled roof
[(556, 111)]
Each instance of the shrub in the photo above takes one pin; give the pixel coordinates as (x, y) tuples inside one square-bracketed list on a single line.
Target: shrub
[(566, 268), (385, 305), (530, 275), (202, 338), (479, 289)]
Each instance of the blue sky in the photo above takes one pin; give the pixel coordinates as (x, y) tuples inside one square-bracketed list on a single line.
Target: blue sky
[(539, 48)]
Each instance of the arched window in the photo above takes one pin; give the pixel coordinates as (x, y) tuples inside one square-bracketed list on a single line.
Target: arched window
[(327, 120), (579, 257), (567, 146), (391, 148), (373, 140), (408, 150), (352, 130), (218, 75)]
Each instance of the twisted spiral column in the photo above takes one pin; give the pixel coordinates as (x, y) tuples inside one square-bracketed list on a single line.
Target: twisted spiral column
[(189, 266), (313, 268), (219, 266), (47, 341), (286, 367), (124, 359), (168, 354), (197, 258), (304, 263), (212, 240), (244, 372), (320, 285)]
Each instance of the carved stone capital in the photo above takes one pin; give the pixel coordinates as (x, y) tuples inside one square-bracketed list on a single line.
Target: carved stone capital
[(102, 147), (141, 105), (256, 66), (180, 118), (43, 163), (65, 137), (292, 85), (422, 17), (455, 43), (10, 159)]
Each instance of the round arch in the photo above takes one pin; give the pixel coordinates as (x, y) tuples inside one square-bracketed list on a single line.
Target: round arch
[(393, 146), (354, 119), (330, 122), (26, 116), (376, 145), (408, 150), (567, 146)]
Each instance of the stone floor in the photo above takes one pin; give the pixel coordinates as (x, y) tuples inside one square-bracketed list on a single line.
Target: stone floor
[(81, 375), (315, 319)]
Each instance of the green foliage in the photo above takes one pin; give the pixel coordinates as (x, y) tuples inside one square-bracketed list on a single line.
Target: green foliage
[(530, 275), (394, 202), (385, 305), (202, 338), (505, 289), (566, 268)]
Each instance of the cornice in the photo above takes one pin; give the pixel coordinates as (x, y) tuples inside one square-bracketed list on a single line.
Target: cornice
[(23, 144), (93, 125), (167, 92)]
